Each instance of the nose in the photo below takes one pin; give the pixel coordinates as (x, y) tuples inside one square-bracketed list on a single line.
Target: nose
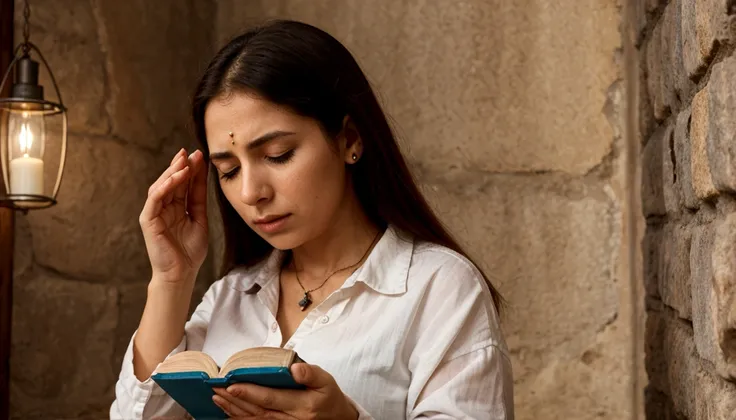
[(255, 189)]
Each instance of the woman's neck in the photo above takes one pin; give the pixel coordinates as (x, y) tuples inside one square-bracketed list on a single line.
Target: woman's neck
[(342, 245)]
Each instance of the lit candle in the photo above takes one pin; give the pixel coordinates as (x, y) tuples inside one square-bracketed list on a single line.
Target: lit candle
[(26, 173), (26, 176)]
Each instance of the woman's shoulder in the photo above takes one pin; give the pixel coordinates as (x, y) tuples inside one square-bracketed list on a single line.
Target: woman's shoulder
[(440, 261), (453, 287)]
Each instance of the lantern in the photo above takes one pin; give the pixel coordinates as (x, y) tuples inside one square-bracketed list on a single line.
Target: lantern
[(29, 146)]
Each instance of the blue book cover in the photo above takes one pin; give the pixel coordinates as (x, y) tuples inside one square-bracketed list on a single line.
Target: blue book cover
[(193, 389)]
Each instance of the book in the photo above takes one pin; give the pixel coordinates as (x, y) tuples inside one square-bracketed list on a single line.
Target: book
[(190, 376)]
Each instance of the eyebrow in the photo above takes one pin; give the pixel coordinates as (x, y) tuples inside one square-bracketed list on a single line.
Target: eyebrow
[(260, 141)]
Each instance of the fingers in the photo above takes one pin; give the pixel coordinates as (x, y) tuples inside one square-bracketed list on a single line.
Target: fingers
[(284, 400), (156, 198), (233, 406), (312, 376), (197, 198), (177, 164)]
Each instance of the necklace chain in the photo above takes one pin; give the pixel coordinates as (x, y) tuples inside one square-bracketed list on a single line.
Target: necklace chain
[(306, 301)]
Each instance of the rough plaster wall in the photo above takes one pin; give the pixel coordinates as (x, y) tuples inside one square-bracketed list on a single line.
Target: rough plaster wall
[(510, 114), (125, 70)]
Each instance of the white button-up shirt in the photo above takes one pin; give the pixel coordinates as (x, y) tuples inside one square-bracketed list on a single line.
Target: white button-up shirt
[(412, 333)]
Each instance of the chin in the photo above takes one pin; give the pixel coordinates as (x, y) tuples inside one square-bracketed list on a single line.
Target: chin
[(283, 241)]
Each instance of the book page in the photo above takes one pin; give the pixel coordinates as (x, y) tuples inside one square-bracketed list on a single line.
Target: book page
[(259, 357), (189, 361)]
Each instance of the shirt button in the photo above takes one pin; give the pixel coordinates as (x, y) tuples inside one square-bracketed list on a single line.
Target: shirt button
[(274, 326), (325, 319)]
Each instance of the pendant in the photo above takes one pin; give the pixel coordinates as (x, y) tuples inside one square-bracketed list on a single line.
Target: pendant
[(305, 302)]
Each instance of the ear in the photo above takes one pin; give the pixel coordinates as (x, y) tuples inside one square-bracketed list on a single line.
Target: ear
[(353, 146)]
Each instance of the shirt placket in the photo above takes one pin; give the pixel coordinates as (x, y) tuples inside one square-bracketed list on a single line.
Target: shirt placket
[(320, 317)]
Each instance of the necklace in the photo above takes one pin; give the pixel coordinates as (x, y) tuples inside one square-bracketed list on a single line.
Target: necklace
[(306, 300)]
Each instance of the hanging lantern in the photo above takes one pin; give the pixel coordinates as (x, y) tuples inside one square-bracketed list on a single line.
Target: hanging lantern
[(29, 147)]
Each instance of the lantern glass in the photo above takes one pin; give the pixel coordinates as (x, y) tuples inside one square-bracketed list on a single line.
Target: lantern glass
[(26, 140)]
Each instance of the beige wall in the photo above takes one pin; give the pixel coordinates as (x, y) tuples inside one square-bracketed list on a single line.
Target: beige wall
[(510, 114), (502, 107)]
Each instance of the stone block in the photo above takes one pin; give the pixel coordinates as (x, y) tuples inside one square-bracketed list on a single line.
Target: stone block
[(93, 231), (721, 139), (62, 348), (674, 279), (653, 176), (479, 99), (682, 149), (667, 81), (671, 188), (671, 361), (655, 360), (708, 310), (150, 87), (704, 26), (655, 50), (701, 278), (699, 127), (715, 398), (657, 405), (66, 34), (682, 363), (723, 303), (677, 85), (651, 250)]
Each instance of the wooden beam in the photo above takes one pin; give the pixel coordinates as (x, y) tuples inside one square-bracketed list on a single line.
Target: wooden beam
[(7, 231)]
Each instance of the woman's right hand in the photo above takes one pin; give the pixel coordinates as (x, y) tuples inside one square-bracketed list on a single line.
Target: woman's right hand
[(174, 219)]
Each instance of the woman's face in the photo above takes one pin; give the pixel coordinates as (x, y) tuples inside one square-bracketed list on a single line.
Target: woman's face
[(282, 175)]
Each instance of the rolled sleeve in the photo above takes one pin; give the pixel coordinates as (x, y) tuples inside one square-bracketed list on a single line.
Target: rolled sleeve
[(135, 399), (138, 400)]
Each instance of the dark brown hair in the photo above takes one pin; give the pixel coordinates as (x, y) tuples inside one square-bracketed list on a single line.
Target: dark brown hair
[(307, 70)]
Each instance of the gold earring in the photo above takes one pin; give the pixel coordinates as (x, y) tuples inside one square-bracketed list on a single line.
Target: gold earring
[(232, 140)]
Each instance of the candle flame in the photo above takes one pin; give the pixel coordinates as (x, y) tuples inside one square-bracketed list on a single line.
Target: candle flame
[(26, 139)]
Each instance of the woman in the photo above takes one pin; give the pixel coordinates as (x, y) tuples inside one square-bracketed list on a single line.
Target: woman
[(330, 250)]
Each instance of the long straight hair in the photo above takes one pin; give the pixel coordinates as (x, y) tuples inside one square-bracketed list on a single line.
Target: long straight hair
[(303, 68)]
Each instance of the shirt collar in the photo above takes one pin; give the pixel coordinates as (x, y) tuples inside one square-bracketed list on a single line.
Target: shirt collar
[(385, 270)]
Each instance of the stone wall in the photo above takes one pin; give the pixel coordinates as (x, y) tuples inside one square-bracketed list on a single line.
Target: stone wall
[(125, 70), (687, 107), (510, 114)]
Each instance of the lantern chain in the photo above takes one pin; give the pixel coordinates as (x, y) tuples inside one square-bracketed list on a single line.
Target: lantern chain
[(26, 28)]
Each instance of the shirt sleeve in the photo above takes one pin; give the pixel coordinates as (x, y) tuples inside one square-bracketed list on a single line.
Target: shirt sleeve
[(475, 385), (136, 399), (458, 359)]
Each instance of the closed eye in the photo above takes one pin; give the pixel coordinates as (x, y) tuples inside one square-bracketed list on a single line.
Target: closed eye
[(282, 158), (231, 174)]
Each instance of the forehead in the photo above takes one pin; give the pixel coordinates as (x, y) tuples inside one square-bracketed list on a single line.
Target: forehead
[(246, 115)]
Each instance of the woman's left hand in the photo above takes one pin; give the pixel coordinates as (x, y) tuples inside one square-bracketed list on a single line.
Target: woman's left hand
[(322, 399)]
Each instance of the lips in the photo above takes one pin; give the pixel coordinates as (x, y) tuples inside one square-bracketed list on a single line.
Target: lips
[(272, 224), (269, 219)]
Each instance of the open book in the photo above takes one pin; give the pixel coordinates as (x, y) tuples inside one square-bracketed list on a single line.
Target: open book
[(188, 377)]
